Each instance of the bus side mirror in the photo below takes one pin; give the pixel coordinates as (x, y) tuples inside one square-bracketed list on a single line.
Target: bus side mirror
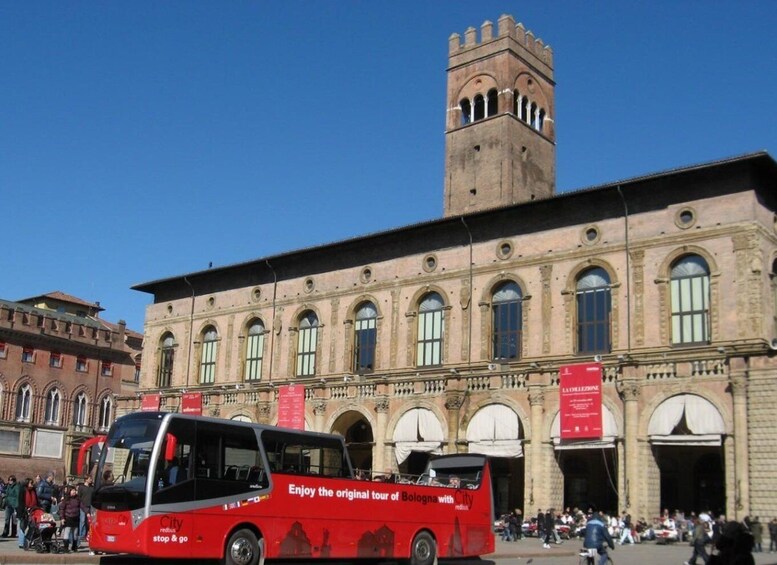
[(170, 447)]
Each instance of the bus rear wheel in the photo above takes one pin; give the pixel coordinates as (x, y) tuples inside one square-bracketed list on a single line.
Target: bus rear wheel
[(423, 550), (242, 549)]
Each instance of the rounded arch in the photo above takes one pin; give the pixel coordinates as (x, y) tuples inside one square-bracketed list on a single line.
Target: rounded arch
[(164, 337), (205, 325), (241, 417), (351, 407), (493, 284), (495, 429), (26, 380), (301, 310), (528, 85), (665, 268), (592, 263), (418, 429), (436, 410), (498, 398), (356, 303), (55, 384), (420, 294), (713, 399), (479, 83), (249, 320)]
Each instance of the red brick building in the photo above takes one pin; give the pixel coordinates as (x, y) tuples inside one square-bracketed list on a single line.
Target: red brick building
[(61, 368)]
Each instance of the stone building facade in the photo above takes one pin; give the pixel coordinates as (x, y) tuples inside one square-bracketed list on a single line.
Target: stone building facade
[(61, 369), (450, 335)]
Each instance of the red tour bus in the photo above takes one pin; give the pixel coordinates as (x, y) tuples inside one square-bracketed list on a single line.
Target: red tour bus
[(172, 485)]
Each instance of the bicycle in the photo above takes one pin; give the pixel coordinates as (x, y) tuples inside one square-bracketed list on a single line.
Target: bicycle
[(591, 557)]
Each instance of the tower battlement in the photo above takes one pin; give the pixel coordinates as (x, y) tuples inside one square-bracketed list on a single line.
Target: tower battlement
[(506, 28)]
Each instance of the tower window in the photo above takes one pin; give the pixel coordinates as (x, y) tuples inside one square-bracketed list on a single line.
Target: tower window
[(466, 111), (492, 102), (480, 109)]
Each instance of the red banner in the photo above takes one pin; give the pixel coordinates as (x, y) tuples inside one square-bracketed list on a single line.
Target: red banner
[(150, 403), (291, 407), (580, 401), (191, 403)]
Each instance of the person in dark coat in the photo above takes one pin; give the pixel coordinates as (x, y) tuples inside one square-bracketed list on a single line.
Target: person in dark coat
[(698, 542), (70, 512), (12, 492), (734, 545), (549, 521)]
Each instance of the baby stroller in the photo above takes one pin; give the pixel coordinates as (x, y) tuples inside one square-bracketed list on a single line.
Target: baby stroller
[(41, 533)]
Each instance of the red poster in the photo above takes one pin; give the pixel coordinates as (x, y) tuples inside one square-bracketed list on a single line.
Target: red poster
[(150, 403), (191, 403), (291, 407), (580, 401)]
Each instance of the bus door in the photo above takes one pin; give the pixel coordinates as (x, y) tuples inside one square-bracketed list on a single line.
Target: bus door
[(171, 522), (229, 472)]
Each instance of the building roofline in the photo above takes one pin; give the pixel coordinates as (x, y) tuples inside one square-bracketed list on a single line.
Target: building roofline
[(761, 157)]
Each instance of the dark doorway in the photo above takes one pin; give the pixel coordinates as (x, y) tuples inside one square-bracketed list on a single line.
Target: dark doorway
[(590, 478)]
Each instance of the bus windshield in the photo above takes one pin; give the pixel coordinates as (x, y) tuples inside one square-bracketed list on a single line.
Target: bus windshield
[(124, 464)]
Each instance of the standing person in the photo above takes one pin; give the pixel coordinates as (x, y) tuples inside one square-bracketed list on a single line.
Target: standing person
[(549, 521), (540, 523), (757, 529), (698, 541), (734, 545), (597, 537), (45, 491), (12, 493), (516, 524), (27, 499), (626, 529), (85, 492), (773, 535), (70, 511)]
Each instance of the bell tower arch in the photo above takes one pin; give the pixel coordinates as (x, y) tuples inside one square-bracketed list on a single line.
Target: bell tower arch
[(500, 146)]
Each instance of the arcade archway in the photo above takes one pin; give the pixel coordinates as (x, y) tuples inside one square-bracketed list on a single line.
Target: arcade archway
[(356, 430)]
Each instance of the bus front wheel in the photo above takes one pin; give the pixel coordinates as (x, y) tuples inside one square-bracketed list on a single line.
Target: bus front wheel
[(424, 550), (242, 549)]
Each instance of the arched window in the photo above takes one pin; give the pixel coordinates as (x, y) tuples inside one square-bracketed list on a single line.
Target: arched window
[(365, 338), (106, 412), (524, 109), (24, 403), (541, 121), (80, 414), (466, 111), (480, 110), (166, 358), (306, 345), (516, 103), (492, 102), (690, 283), (430, 331), (210, 342), (594, 303), (533, 116), (507, 319), (254, 351), (52, 407)]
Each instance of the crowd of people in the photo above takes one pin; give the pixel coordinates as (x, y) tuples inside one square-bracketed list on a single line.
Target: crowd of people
[(64, 504), (713, 540)]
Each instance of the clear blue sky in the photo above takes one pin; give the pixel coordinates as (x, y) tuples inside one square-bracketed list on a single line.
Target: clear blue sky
[(143, 140)]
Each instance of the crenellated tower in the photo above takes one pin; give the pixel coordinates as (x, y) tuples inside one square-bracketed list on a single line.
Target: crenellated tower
[(499, 137)]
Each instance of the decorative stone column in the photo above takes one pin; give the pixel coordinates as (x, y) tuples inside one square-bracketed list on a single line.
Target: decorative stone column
[(319, 411), (537, 402), (630, 391), (741, 457), (379, 435), (453, 402)]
